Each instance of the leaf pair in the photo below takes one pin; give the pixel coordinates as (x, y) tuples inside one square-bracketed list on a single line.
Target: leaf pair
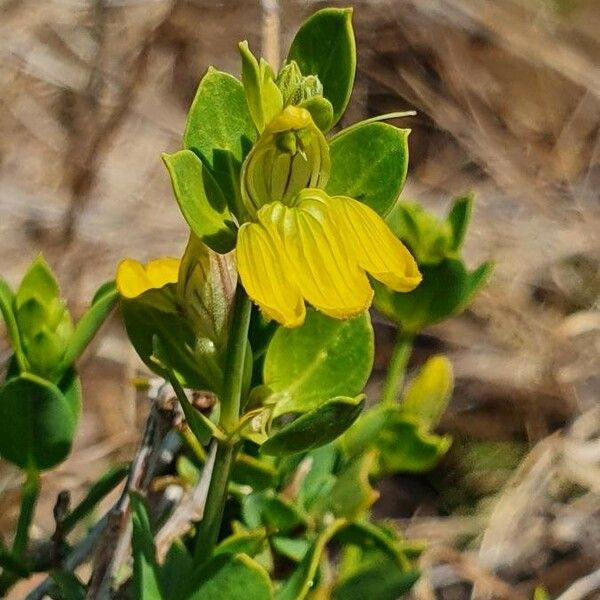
[(401, 433)]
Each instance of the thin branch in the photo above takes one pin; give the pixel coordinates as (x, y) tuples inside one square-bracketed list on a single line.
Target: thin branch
[(115, 536), (189, 510)]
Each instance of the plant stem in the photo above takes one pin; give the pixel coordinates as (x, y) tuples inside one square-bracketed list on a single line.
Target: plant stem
[(29, 495), (210, 525), (237, 346), (397, 369), (230, 413)]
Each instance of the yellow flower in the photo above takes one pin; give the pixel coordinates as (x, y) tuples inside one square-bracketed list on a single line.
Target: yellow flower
[(319, 250), (133, 278)]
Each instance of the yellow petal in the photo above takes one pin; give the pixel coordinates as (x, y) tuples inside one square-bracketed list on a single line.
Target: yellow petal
[(327, 277), (262, 267), (133, 278), (374, 246)]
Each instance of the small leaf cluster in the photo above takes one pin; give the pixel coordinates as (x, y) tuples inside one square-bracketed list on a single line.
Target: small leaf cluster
[(40, 398), (448, 286)]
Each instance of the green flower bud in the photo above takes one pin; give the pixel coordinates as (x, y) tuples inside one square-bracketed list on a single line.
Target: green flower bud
[(291, 155), (296, 87), (44, 323), (305, 92), (205, 290)]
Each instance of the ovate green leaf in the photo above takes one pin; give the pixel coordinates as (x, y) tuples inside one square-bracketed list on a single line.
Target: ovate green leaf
[(201, 201), (37, 423), (315, 428), (369, 163), (325, 46), (220, 130), (322, 359)]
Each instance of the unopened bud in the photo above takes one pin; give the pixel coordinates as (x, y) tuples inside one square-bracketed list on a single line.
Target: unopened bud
[(291, 154)]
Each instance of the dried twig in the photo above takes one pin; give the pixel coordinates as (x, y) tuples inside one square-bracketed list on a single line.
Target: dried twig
[(189, 510), (143, 466)]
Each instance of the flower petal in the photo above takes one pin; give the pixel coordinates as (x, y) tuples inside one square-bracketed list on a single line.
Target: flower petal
[(374, 246), (133, 278), (262, 267), (327, 277)]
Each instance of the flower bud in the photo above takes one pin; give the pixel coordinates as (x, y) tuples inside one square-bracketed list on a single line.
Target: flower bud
[(305, 92), (43, 321), (291, 154), (296, 87), (205, 290)]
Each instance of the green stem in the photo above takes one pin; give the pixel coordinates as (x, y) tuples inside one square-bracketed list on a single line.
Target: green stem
[(108, 482), (397, 369), (210, 525), (29, 496), (231, 397), (237, 346)]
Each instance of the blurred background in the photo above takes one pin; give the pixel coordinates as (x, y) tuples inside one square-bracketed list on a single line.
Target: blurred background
[(508, 100)]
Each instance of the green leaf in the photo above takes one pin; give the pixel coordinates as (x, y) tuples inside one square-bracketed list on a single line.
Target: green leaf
[(32, 317), (352, 493), (272, 510), (176, 571), (442, 293), (39, 282), (254, 472), (70, 386), (401, 440), (320, 478), (427, 395), (70, 586), (230, 577), (6, 307), (369, 163), (476, 280), (324, 358), (37, 423), (89, 324), (459, 217), (194, 368), (446, 290), (44, 351), (378, 581), (299, 584), (264, 97), (220, 131), (99, 489), (428, 237), (368, 536), (315, 428), (145, 568), (325, 46), (201, 201), (103, 290), (202, 428), (293, 548), (243, 542), (405, 446)]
